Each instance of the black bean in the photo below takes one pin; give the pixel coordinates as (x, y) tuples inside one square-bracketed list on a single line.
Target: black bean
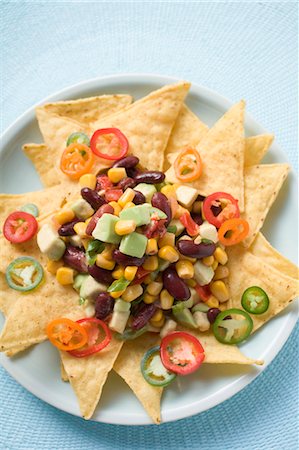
[(100, 275), (212, 314), (144, 313), (126, 260), (139, 198), (67, 229), (128, 162), (150, 177), (92, 197), (160, 201), (104, 304), (189, 248), (175, 285), (75, 258)]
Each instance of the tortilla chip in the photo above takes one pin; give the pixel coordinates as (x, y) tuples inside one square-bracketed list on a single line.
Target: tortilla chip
[(8, 296), (256, 147), (248, 270), (127, 366), (43, 162), (264, 250), (63, 374), (188, 130), (88, 375), (262, 185), (222, 153), (89, 109)]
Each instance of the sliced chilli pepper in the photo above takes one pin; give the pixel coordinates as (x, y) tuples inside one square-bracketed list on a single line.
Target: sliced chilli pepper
[(113, 195), (109, 143), (95, 343), (66, 334), (103, 182), (153, 371), (76, 160), (255, 300), (203, 292), (191, 226), (181, 352), (188, 165), (24, 274), (20, 227), (78, 138), (233, 231), (140, 276), (219, 207), (30, 208), (232, 326)]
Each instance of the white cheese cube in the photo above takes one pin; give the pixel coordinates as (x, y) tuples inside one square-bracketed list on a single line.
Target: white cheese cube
[(119, 321), (179, 226), (90, 288), (186, 195), (50, 243), (82, 209), (203, 274), (201, 320), (208, 231)]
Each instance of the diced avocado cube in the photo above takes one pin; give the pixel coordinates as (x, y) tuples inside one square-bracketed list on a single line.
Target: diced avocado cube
[(90, 288), (82, 209), (147, 190), (119, 321), (50, 243), (203, 274), (184, 317), (208, 231), (158, 212), (121, 305), (133, 244), (105, 229), (78, 281), (140, 214)]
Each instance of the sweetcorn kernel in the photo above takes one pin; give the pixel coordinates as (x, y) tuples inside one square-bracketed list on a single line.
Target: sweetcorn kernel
[(220, 290), (65, 276), (148, 298), (53, 266), (118, 273), (116, 294), (130, 272), (154, 288), (129, 205), (169, 190), (157, 316), (167, 239), (80, 229), (123, 227), (151, 263), (185, 269), (151, 247), (221, 272), (88, 180), (158, 323), (220, 256), (132, 292), (64, 216), (116, 207), (126, 197), (212, 302), (168, 253), (115, 174), (104, 263), (166, 299), (208, 260)]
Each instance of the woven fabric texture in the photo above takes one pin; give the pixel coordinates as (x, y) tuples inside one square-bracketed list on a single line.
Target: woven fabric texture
[(242, 50)]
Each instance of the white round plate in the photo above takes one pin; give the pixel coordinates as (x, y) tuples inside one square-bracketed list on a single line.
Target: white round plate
[(38, 369)]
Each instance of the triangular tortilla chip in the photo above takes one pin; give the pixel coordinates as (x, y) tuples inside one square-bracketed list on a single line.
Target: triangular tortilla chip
[(222, 153), (89, 109), (88, 375), (187, 131), (262, 185), (127, 366), (43, 161), (256, 147), (248, 270), (264, 250)]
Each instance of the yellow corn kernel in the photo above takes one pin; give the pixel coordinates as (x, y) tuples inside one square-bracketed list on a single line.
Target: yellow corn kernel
[(166, 299), (129, 205), (220, 256), (154, 288), (53, 266), (104, 263), (180, 211), (219, 290), (168, 253), (147, 280), (151, 263), (191, 283), (132, 292), (86, 241), (64, 216), (88, 180), (108, 251), (116, 174), (208, 260), (151, 247), (80, 229), (215, 265), (159, 323), (65, 275), (185, 269), (118, 273), (212, 302), (116, 207), (196, 208), (222, 306), (116, 294), (187, 258), (127, 197), (123, 227), (130, 272), (167, 239), (221, 272), (88, 220), (169, 190), (157, 316), (148, 298)]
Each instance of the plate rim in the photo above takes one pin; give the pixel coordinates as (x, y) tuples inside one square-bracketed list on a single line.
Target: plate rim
[(24, 120)]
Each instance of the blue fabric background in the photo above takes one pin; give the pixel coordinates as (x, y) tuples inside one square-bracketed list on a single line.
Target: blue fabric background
[(242, 50)]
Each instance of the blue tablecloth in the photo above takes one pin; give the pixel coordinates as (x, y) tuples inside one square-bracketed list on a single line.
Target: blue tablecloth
[(242, 50)]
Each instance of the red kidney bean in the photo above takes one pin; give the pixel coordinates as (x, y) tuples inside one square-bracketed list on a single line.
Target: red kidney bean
[(175, 285), (67, 229), (189, 248), (75, 258), (104, 304), (126, 183), (197, 218), (128, 162), (132, 173), (150, 177), (212, 314), (144, 313), (126, 260), (160, 201), (92, 197), (139, 198), (100, 275), (104, 209)]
